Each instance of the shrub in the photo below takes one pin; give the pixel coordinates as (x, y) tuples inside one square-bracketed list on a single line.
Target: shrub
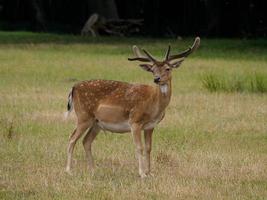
[(212, 83), (257, 84), (235, 83)]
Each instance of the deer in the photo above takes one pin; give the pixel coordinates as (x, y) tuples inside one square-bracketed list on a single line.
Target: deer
[(121, 107)]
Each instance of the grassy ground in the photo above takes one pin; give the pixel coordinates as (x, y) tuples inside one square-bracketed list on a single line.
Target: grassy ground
[(209, 146)]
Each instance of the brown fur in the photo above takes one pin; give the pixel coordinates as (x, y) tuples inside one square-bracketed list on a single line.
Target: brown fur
[(132, 98)]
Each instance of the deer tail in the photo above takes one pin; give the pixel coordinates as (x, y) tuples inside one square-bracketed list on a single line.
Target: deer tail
[(70, 104)]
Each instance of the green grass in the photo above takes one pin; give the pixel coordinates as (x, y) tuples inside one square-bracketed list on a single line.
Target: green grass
[(252, 83), (211, 145)]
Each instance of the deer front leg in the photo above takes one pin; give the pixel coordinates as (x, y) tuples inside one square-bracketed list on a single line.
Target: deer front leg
[(148, 142), (136, 131)]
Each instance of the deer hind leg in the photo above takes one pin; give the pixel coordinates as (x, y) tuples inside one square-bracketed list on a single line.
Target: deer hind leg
[(81, 128), (136, 131), (87, 143), (148, 142)]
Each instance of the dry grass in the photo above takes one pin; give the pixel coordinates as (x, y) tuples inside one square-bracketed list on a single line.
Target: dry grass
[(209, 146)]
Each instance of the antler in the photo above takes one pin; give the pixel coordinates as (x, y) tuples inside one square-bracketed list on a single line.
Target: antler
[(185, 53), (149, 58), (152, 59), (141, 57), (167, 53)]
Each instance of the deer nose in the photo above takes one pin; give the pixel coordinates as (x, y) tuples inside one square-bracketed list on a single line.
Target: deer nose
[(156, 79)]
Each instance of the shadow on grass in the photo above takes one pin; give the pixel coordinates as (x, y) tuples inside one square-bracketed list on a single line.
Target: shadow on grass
[(39, 38), (253, 49)]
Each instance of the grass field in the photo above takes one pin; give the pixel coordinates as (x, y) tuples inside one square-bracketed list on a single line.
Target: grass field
[(211, 145)]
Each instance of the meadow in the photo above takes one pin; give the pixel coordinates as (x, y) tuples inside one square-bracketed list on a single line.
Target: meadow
[(212, 143)]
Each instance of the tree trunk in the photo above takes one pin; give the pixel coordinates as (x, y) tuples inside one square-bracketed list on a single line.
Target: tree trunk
[(105, 8), (39, 20), (213, 16)]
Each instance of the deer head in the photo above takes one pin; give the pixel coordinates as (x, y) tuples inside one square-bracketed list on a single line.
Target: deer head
[(162, 69)]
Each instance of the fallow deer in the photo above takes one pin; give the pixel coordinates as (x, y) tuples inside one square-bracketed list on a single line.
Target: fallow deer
[(123, 107)]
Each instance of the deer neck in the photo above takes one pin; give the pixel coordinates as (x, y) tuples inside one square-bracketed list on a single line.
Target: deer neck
[(164, 94)]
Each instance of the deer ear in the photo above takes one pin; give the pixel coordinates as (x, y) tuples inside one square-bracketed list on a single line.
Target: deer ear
[(176, 63), (146, 67)]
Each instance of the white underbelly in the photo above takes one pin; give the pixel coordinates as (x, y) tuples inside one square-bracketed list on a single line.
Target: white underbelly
[(150, 125), (120, 127)]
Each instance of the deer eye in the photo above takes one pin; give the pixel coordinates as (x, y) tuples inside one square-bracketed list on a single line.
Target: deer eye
[(168, 69)]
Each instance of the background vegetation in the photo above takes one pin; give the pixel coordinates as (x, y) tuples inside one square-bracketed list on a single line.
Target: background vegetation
[(211, 145), (246, 18)]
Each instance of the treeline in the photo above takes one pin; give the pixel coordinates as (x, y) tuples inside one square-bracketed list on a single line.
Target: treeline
[(171, 18)]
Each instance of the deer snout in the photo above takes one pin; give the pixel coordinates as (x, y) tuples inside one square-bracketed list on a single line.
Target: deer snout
[(156, 79)]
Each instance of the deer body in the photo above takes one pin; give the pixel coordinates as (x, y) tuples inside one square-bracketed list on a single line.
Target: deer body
[(115, 105), (123, 107)]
